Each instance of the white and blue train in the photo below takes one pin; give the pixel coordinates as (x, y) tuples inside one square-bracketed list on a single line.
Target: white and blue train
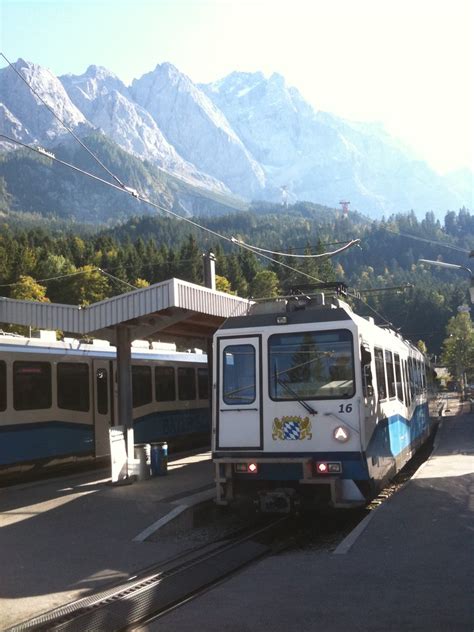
[(313, 404), (58, 399)]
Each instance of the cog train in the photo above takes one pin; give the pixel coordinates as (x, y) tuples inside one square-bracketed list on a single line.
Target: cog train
[(314, 404)]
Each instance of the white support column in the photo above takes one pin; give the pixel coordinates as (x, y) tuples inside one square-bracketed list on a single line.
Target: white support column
[(124, 384)]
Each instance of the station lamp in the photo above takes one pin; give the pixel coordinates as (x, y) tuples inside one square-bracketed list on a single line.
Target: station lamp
[(452, 266)]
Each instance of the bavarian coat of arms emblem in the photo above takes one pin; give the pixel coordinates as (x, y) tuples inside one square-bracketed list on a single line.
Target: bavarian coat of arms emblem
[(291, 428)]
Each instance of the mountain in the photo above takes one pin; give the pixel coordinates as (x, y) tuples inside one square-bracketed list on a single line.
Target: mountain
[(197, 129), (245, 137), (106, 102), (23, 112), (35, 184), (320, 157)]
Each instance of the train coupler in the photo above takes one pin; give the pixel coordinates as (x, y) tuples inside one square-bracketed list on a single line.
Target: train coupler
[(281, 500)]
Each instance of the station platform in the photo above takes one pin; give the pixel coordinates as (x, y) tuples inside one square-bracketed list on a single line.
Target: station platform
[(409, 567), (64, 538)]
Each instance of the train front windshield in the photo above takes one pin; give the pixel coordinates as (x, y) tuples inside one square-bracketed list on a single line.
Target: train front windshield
[(311, 365)]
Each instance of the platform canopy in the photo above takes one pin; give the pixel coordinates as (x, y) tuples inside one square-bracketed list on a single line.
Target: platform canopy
[(171, 308)]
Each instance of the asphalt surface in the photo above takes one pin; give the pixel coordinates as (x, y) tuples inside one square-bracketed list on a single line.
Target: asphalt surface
[(66, 538), (411, 569)]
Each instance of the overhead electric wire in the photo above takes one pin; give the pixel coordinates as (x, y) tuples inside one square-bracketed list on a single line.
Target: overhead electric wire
[(58, 118), (157, 206), (372, 309), (117, 279), (353, 242), (429, 241), (71, 274), (62, 276)]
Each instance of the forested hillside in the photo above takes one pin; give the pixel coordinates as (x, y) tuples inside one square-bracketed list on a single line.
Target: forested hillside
[(47, 261), (33, 183)]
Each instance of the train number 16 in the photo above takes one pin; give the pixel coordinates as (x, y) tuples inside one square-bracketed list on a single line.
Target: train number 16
[(345, 408)]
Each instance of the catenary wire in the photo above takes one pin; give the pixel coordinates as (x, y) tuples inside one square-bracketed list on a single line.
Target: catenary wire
[(158, 207), (353, 242), (58, 118)]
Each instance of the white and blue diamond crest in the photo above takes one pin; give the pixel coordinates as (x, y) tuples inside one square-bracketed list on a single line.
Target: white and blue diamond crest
[(291, 428)]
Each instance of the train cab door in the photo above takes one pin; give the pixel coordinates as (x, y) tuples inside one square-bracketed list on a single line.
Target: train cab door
[(103, 405), (238, 401)]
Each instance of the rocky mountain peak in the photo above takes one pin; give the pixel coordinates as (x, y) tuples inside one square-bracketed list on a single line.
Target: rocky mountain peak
[(197, 129), (26, 107)]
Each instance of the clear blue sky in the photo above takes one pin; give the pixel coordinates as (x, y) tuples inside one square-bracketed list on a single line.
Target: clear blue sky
[(406, 63)]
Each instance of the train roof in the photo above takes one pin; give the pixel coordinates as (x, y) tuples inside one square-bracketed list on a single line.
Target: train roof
[(141, 350), (296, 310)]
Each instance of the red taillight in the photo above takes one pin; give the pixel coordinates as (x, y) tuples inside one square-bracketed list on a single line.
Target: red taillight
[(327, 467), (246, 468)]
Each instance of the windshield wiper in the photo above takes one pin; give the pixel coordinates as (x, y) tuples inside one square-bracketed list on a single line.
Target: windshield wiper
[(305, 405)]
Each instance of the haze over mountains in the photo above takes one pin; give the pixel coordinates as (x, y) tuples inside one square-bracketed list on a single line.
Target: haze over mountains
[(245, 136)]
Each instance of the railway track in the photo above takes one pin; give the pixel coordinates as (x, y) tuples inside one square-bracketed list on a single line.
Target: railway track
[(156, 591)]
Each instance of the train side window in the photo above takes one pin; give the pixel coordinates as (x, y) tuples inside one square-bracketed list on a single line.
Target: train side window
[(398, 378), (203, 383), (423, 375), (3, 385), (186, 383), (141, 385), (380, 373), (390, 374), (31, 385), (165, 384), (102, 385), (406, 382), (73, 386), (410, 378)]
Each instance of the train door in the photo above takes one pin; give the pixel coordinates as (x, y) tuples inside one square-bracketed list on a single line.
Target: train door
[(369, 406), (103, 405), (238, 405)]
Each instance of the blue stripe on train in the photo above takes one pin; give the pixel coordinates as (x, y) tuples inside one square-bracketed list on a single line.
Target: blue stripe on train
[(396, 433), (20, 443), (30, 442), (163, 425)]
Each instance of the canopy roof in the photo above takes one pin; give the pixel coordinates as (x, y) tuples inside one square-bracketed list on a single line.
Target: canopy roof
[(171, 308)]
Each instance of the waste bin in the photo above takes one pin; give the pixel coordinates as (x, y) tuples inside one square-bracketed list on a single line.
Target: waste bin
[(159, 459), (142, 453)]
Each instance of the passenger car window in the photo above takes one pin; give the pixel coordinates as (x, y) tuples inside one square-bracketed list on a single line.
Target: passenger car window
[(380, 373), (390, 373), (73, 386), (398, 378), (203, 383), (3, 385), (141, 385), (165, 385), (31, 385), (186, 383)]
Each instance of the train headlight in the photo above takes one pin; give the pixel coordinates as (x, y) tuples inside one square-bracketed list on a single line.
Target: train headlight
[(342, 434)]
